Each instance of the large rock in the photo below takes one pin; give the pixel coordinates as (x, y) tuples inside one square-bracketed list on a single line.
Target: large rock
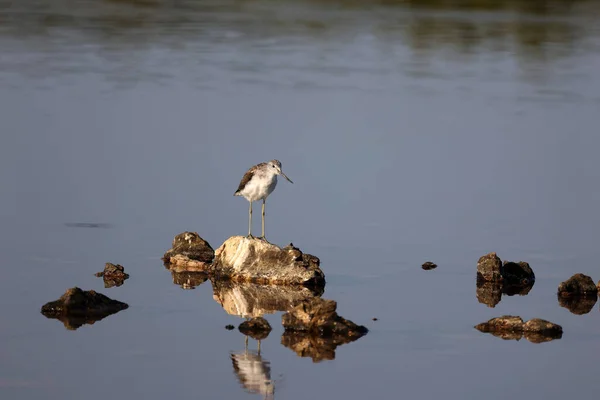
[(509, 327), (578, 285), (190, 251), (258, 261), (77, 307), (250, 300), (318, 316)]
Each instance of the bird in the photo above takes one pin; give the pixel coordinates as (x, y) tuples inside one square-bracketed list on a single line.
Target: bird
[(257, 184)]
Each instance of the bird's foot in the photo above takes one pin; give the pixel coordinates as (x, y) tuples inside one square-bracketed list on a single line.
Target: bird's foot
[(250, 236), (263, 238)]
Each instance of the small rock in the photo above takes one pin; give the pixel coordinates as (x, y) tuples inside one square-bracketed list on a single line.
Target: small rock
[(113, 274), (257, 328), (578, 285), (428, 265), (374, 318), (542, 327), (489, 268), (229, 327), (77, 307), (258, 261), (190, 250), (510, 327), (504, 323), (318, 317)]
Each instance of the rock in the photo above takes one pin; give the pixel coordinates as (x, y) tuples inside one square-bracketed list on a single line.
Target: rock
[(257, 328), (542, 327), (77, 307), (510, 327), (229, 327), (114, 275), (504, 323), (428, 265), (189, 279), (191, 251), (578, 305), (258, 261), (319, 317), (517, 273), (578, 285), (318, 348), (489, 268), (249, 300)]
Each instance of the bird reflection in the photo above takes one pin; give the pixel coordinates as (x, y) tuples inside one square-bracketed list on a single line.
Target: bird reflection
[(253, 372)]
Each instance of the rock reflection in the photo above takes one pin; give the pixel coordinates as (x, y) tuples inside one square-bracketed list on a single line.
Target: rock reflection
[(249, 300), (189, 279), (253, 372), (490, 293), (318, 348), (578, 305)]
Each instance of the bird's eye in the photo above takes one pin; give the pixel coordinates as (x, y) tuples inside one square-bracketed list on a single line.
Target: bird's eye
[(273, 166)]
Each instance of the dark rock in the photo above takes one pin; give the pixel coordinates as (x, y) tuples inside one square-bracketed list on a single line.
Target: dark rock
[(229, 327), (489, 268), (191, 251), (374, 319), (428, 265), (257, 328), (77, 307), (254, 260), (319, 317), (517, 273), (578, 305), (246, 299), (578, 285), (510, 327), (113, 274)]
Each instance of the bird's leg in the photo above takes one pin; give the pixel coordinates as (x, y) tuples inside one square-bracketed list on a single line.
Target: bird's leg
[(259, 347), (263, 221), (250, 222)]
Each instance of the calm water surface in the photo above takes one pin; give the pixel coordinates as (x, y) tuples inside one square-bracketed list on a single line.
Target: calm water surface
[(413, 131)]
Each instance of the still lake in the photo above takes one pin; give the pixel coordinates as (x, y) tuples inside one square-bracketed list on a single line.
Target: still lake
[(413, 131)]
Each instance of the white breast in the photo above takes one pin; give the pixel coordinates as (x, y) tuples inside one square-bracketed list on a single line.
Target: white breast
[(259, 187)]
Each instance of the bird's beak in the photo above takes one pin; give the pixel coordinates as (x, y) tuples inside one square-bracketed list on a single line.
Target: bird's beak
[(285, 176)]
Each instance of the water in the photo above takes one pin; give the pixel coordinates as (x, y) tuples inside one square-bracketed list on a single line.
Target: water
[(413, 131)]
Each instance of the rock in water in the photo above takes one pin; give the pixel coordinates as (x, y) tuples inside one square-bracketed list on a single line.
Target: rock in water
[(489, 268), (510, 327), (578, 285), (517, 273), (114, 275), (77, 307), (318, 316), (191, 251), (258, 261), (428, 265), (257, 328)]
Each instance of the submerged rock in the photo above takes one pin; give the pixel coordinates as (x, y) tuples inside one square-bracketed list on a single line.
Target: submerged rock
[(578, 305), (257, 328), (511, 327), (578, 285), (428, 265), (77, 307), (258, 261), (249, 300), (113, 275), (319, 317), (191, 251)]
